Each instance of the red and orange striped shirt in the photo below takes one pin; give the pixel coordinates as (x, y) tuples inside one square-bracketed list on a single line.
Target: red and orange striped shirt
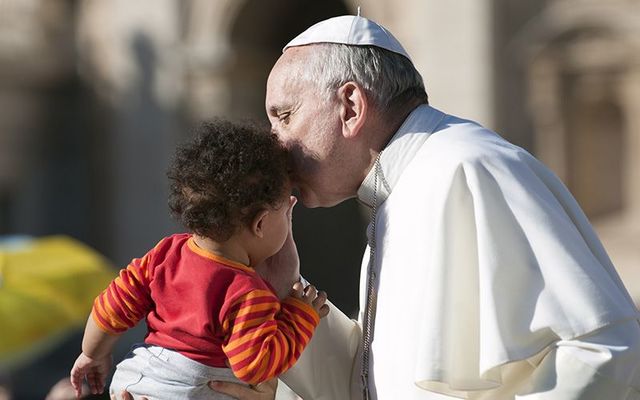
[(209, 309)]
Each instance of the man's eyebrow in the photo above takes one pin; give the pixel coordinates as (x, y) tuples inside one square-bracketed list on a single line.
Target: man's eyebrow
[(277, 109)]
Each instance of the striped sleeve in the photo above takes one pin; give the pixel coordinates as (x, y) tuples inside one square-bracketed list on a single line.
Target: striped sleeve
[(126, 300), (266, 337)]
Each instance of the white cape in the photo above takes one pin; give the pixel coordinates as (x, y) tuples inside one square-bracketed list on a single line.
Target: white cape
[(483, 259)]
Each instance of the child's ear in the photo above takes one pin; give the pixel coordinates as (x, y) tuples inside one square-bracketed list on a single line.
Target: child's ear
[(257, 226)]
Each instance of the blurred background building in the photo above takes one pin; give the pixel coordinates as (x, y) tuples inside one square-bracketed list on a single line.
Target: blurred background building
[(94, 95)]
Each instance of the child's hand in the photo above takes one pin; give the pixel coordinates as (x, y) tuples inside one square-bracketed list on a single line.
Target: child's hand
[(311, 296), (94, 370), (282, 269)]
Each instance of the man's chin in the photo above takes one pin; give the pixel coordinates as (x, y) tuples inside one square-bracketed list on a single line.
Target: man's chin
[(308, 199), (308, 202), (311, 200)]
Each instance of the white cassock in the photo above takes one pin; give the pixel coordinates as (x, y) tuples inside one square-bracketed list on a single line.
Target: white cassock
[(490, 282)]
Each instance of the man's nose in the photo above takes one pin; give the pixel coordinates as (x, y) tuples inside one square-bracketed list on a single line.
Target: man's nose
[(276, 129)]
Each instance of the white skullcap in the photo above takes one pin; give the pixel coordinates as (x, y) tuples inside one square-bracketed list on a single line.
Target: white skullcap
[(351, 30)]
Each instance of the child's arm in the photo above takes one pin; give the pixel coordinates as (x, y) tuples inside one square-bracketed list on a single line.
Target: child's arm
[(266, 337), (94, 363), (119, 307)]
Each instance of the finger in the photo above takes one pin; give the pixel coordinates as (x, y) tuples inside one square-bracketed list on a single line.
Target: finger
[(323, 311), (128, 396), (319, 300), (93, 383), (92, 388), (77, 386), (75, 380), (297, 290), (269, 386), (97, 383), (310, 293), (236, 390), (103, 382)]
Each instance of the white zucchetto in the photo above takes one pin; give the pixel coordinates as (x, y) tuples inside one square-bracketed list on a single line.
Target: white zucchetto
[(351, 30)]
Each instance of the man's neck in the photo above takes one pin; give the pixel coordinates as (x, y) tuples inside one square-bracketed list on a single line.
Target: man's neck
[(394, 118), (388, 123)]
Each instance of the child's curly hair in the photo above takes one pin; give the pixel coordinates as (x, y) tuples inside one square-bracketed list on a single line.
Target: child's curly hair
[(222, 178)]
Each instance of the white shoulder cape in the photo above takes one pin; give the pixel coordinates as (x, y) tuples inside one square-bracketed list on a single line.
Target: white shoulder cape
[(483, 258)]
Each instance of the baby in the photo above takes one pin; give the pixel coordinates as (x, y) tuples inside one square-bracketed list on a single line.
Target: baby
[(210, 316)]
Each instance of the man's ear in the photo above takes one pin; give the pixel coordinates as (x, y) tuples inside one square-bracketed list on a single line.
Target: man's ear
[(257, 225), (353, 108)]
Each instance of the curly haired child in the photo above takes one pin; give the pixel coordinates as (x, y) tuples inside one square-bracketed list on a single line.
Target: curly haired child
[(209, 314)]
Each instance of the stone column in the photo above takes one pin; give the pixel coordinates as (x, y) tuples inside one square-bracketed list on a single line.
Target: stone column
[(451, 44), (208, 56), (36, 58), (131, 55), (630, 93), (549, 126)]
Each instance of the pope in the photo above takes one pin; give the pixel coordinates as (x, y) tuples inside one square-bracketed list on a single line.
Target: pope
[(483, 279)]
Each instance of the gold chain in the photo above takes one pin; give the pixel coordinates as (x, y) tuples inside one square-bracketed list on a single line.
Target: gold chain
[(369, 313)]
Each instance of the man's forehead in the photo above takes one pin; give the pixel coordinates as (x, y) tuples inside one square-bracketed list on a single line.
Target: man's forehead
[(287, 85), (284, 77), (292, 58), (280, 97)]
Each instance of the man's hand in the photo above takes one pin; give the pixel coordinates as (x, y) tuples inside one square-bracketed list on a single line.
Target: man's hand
[(64, 391), (124, 396), (282, 269), (94, 370), (312, 297), (263, 391)]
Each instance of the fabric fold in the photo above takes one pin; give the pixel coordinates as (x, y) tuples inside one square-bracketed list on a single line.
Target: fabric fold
[(509, 262)]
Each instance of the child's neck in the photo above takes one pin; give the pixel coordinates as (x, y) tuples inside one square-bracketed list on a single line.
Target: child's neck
[(230, 249)]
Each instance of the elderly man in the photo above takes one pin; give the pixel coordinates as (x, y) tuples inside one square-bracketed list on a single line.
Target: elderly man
[(483, 279)]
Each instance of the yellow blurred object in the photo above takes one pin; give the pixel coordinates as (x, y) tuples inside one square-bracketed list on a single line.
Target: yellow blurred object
[(47, 287)]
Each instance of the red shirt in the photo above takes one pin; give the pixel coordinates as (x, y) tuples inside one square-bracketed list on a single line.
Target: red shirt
[(209, 309)]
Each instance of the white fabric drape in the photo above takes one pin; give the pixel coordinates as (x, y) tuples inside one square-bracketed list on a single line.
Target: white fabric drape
[(484, 263)]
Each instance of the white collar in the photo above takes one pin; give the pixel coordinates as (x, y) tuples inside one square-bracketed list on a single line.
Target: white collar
[(400, 150)]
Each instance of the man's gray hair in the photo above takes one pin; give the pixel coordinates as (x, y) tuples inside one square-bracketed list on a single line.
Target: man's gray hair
[(389, 79)]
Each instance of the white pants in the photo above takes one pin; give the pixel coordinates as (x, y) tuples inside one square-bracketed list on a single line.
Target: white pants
[(158, 373)]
